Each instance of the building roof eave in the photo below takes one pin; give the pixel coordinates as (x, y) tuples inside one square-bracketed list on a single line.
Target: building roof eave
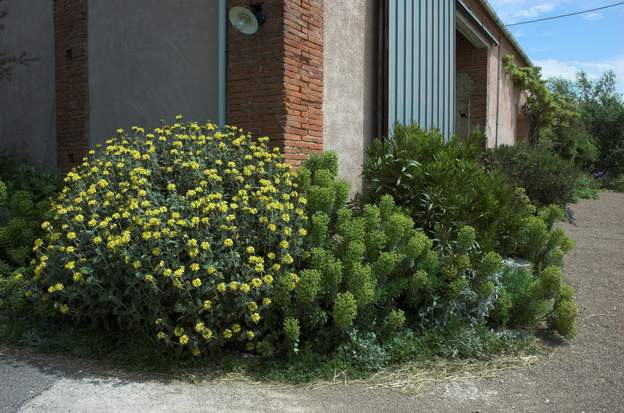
[(488, 8)]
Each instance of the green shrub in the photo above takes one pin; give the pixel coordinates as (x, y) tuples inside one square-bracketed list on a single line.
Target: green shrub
[(13, 289), (445, 188), (205, 240), (564, 318), (181, 233), (3, 193), (25, 194), (586, 188), (472, 215), (370, 270), (529, 298), (546, 177), (364, 351), (345, 310), (571, 142), (614, 183), (540, 241)]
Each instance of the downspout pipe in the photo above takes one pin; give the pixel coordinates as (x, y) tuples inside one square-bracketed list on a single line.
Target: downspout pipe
[(222, 62), (498, 81)]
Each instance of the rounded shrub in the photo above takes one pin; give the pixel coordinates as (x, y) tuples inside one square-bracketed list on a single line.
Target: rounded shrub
[(547, 177), (182, 232)]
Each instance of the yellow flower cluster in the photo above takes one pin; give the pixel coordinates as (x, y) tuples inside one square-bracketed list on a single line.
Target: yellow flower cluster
[(189, 221)]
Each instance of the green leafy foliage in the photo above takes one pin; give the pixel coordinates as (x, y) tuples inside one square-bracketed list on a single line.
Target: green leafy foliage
[(530, 298), (546, 177), (602, 113), (446, 188), (614, 183), (204, 240), (13, 300), (374, 274), (586, 188), (3, 193), (545, 109), (345, 310), (483, 216), (25, 194)]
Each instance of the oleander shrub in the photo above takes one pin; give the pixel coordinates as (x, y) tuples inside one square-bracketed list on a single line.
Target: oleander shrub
[(185, 233), (444, 187), (546, 177), (571, 142)]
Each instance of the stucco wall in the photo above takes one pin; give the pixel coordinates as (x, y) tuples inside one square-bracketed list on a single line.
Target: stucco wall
[(27, 125), (349, 90), (150, 60), (508, 101)]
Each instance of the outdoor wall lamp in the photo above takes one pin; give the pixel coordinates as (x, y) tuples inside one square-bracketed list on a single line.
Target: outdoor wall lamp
[(246, 20)]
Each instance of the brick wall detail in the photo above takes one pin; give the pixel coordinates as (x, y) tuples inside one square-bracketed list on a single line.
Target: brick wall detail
[(72, 88), (275, 76)]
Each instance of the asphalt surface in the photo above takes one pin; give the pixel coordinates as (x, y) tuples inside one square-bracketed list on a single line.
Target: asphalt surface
[(586, 375)]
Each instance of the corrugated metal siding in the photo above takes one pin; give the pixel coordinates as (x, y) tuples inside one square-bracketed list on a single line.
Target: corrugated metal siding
[(421, 63)]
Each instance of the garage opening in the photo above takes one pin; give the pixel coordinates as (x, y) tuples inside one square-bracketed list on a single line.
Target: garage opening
[(471, 80)]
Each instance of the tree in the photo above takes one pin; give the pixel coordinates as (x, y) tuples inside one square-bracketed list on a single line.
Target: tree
[(545, 108), (570, 140), (602, 112)]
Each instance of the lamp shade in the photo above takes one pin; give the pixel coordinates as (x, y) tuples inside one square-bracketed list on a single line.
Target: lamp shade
[(243, 20)]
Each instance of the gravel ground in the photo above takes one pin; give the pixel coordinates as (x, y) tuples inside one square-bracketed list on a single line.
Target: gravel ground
[(584, 376)]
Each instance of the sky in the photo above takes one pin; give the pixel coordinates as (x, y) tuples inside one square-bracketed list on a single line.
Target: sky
[(592, 42)]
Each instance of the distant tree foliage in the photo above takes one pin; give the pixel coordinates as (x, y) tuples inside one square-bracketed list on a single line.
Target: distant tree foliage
[(602, 111), (581, 120), (595, 139)]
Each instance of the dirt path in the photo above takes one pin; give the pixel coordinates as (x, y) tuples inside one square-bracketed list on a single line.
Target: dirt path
[(586, 376)]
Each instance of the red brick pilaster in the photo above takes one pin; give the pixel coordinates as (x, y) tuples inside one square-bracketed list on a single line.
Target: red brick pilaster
[(72, 87), (275, 76)]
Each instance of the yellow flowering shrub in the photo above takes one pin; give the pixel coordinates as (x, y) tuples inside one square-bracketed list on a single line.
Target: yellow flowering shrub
[(179, 232)]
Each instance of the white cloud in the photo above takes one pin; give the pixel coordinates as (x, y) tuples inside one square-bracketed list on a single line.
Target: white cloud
[(568, 69), (592, 16), (516, 10), (534, 11)]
